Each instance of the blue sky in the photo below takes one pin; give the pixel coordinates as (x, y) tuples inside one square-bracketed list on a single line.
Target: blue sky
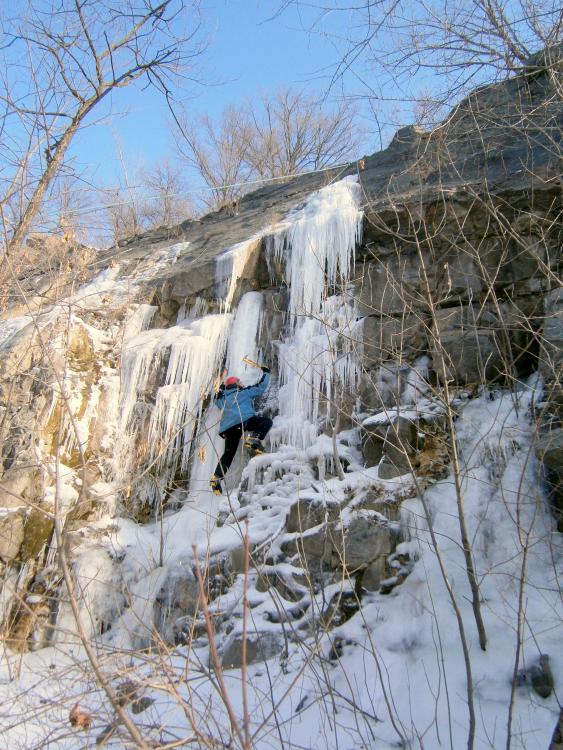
[(248, 51)]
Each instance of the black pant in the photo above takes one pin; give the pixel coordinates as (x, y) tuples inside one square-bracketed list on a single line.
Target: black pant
[(258, 425)]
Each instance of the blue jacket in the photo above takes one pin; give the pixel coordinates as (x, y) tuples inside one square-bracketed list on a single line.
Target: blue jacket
[(238, 403)]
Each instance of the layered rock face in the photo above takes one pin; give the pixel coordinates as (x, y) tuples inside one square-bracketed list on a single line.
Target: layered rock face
[(383, 296)]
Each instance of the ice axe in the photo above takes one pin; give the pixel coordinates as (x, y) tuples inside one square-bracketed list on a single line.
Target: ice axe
[(251, 362)]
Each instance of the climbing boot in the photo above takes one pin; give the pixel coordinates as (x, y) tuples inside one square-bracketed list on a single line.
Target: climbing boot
[(215, 484), (254, 444)]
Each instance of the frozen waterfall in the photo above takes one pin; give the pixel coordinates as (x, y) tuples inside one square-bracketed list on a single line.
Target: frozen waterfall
[(318, 356)]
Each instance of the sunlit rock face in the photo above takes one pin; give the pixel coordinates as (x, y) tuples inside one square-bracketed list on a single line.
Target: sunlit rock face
[(429, 265)]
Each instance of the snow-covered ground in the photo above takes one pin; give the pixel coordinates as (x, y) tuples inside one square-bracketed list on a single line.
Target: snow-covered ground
[(393, 675)]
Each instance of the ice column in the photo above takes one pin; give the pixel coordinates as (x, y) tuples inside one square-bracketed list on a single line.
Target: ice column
[(318, 243), (243, 341)]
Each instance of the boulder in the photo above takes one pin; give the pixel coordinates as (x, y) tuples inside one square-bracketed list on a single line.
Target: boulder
[(374, 574), (307, 513), (12, 524), (366, 540), (176, 604), (312, 550), (549, 450), (388, 470), (373, 440), (259, 647), (287, 586), (391, 446)]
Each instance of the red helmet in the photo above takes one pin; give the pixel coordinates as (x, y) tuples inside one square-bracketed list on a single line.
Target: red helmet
[(232, 381)]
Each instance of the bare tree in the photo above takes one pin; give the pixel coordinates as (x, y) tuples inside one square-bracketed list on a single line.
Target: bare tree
[(434, 50), (217, 152), (274, 137), (60, 63), (166, 203), (152, 198), (293, 133)]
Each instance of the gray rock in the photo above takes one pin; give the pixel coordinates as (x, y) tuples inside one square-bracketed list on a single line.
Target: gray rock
[(373, 440), (364, 541), (259, 647), (549, 450), (557, 738), (386, 337), (395, 443), (176, 602), (551, 342), (388, 470), (538, 676), (390, 286), (313, 549), (374, 574), (401, 443), (11, 533), (287, 586), (542, 678), (308, 512), (470, 346)]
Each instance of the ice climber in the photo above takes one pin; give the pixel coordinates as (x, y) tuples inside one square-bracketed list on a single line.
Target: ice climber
[(238, 417)]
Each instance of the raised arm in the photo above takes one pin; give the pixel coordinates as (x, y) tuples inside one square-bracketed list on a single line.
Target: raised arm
[(257, 390)]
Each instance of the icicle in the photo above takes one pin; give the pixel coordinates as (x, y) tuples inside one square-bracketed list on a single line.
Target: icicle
[(243, 340), (139, 320), (197, 310), (314, 363), (136, 360), (229, 267)]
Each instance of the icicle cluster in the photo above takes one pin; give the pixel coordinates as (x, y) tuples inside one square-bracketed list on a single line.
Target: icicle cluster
[(318, 243), (195, 354), (194, 350)]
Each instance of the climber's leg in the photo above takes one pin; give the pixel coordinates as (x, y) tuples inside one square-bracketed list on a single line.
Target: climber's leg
[(256, 429), (232, 437)]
